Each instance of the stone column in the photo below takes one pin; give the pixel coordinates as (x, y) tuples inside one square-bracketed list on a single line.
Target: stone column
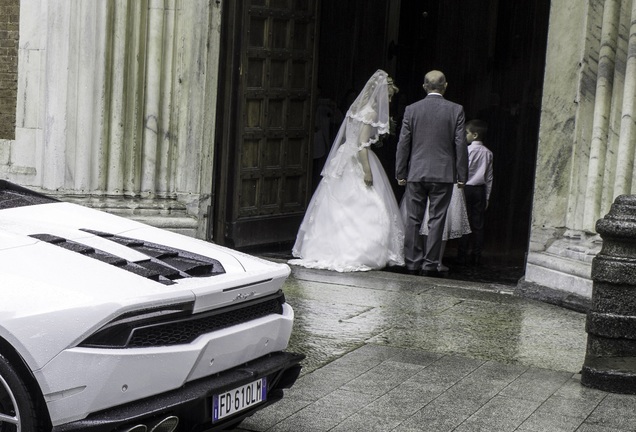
[(602, 110), (624, 182), (116, 106), (610, 361), (587, 143)]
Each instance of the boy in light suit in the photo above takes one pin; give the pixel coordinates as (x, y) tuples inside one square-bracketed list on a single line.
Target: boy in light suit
[(477, 191)]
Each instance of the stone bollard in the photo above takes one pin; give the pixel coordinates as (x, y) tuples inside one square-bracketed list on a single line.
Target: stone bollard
[(610, 358)]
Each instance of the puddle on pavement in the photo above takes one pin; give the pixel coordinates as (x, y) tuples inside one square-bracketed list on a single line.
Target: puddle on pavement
[(336, 314)]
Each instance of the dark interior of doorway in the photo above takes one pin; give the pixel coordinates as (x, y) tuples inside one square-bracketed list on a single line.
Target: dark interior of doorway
[(493, 54)]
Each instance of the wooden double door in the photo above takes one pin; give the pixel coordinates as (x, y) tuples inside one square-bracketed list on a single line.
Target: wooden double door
[(264, 121)]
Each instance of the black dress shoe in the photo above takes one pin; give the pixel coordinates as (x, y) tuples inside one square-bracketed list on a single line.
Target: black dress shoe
[(432, 273), (412, 272)]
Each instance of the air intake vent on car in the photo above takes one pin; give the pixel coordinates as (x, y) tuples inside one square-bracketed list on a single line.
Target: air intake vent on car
[(164, 264), (179, 327)]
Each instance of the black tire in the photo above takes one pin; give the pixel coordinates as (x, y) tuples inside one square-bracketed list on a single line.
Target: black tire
[(17, 407)]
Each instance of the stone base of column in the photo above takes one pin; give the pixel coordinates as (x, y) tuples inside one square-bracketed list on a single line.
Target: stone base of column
[(614, 375), (610, 359), (559, 273), (562, 261), (169, 214), (558, 297)]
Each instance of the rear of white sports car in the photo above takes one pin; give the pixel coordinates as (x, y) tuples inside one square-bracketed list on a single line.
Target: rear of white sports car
[(111, 325)]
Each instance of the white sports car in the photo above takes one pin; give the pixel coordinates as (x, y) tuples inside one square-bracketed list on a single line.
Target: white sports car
[(107, 324)]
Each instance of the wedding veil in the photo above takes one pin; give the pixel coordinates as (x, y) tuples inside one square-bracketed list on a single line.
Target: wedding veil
[(369, 112)]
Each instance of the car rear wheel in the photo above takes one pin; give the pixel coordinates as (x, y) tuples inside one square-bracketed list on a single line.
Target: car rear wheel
[(17, 408)]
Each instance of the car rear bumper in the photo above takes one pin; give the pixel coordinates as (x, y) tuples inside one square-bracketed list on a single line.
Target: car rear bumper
[(192, 403)]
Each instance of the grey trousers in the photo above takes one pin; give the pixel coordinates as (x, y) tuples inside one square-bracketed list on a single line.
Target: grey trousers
[(417, 195)]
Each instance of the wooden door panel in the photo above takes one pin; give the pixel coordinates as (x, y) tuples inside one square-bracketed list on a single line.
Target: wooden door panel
[(268, 184)]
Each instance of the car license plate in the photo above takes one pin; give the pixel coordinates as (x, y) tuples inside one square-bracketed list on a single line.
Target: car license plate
[(239, 399)]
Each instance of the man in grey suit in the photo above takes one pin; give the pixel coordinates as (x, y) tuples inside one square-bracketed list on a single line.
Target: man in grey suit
[(431, 156)]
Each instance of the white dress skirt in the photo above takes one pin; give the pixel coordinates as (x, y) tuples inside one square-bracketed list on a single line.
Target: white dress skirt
[(349, 226), (456, 225)]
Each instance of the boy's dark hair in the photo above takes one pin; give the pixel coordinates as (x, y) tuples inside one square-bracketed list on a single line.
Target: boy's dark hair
[(480, 127)]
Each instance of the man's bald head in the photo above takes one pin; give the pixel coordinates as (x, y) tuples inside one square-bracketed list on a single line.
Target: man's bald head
[(435, 81)]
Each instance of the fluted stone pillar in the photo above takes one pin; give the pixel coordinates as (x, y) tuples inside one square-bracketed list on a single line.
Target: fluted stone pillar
[(602, 110), (116, 106), (610, 361), (587, 142), (625, 179)]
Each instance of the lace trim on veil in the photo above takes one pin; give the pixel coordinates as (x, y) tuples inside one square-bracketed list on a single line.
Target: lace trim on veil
[(370, 108)]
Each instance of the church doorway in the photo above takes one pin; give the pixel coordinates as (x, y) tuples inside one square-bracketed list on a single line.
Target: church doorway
[(493, 54)]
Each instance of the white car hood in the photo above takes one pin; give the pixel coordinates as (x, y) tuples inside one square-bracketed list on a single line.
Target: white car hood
[(52, 298)]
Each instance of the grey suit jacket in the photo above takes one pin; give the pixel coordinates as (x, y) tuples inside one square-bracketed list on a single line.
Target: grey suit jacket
[(432, 145)]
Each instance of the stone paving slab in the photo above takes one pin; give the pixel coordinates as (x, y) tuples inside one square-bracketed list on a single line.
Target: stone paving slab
[(389, 352), (441, 393)]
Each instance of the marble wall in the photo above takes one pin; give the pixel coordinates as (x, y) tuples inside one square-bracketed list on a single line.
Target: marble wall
[(587, 137), (116, 106)]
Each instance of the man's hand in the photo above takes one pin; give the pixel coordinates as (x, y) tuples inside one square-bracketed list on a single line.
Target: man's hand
[(402, 182), (460, 185)]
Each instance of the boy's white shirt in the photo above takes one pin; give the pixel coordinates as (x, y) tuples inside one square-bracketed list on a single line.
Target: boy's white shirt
[(480, 161)]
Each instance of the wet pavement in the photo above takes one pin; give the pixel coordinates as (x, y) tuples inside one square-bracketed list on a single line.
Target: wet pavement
[(393, 352)]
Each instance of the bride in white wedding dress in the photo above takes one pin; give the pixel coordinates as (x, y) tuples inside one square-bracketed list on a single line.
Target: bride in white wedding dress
[(353, 222)]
